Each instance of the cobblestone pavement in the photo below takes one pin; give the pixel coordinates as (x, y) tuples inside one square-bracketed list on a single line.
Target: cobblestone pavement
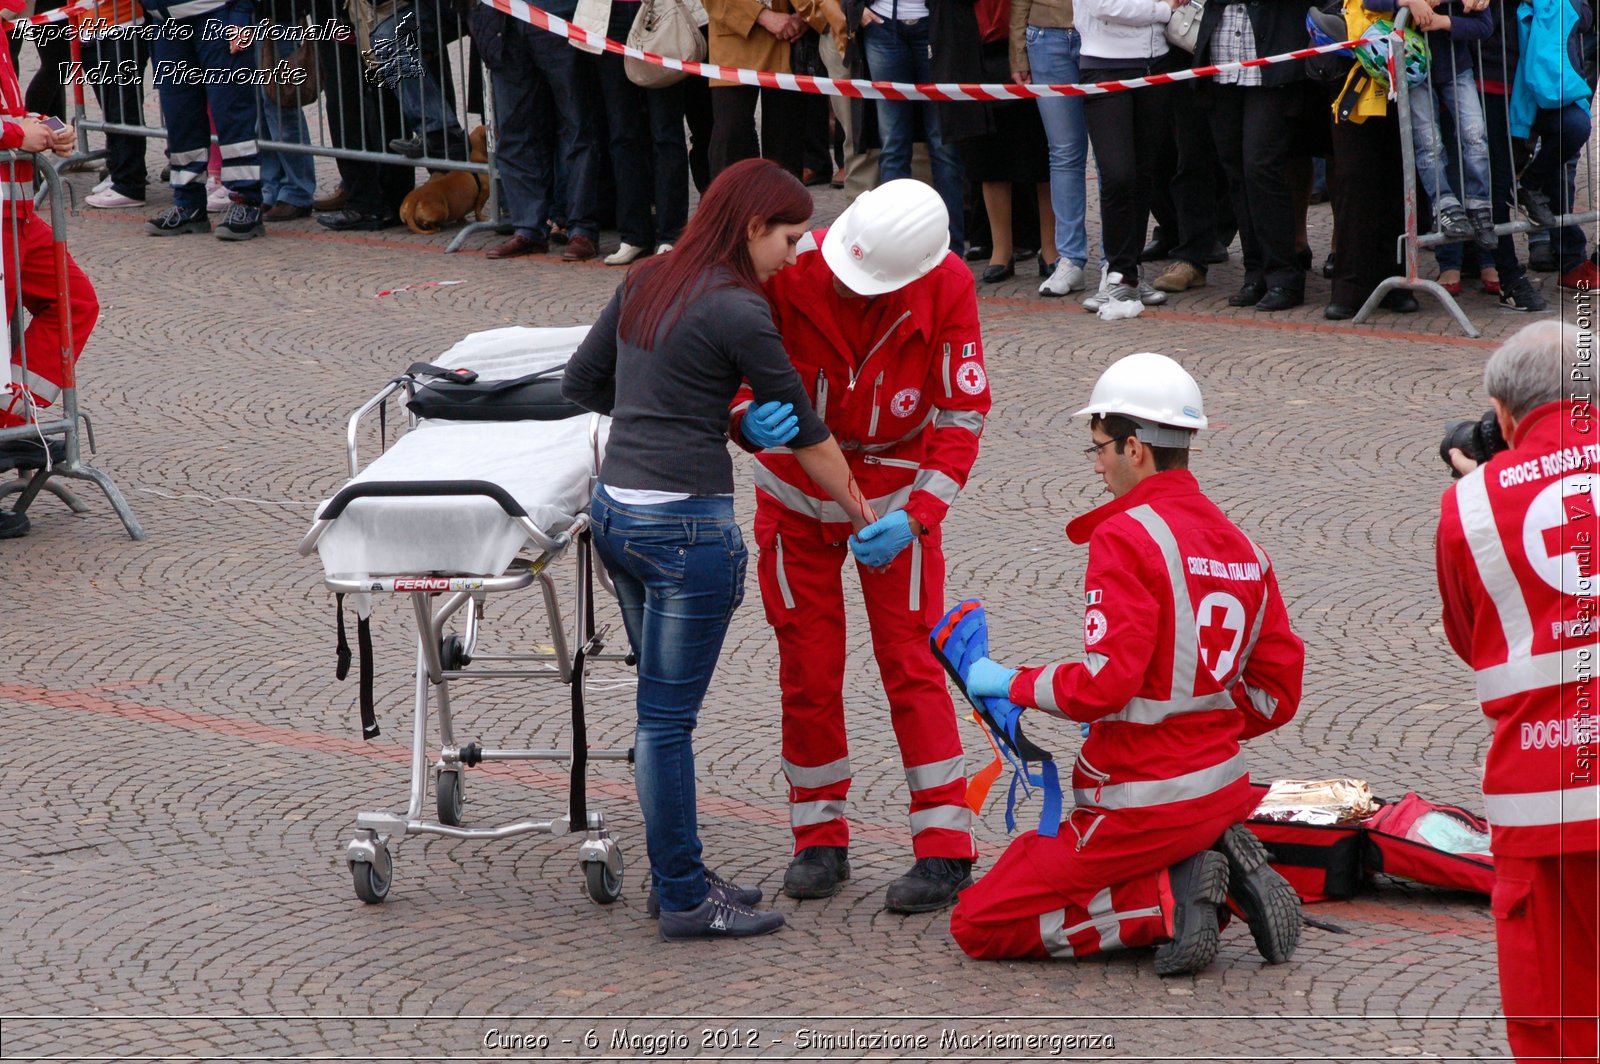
[(184, 770)]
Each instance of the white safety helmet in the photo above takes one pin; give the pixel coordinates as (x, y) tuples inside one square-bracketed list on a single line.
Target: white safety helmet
[(1156, 393), (888, 237)]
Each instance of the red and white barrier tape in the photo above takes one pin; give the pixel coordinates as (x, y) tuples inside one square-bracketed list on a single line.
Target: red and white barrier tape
[(60, 14), (881, 90)]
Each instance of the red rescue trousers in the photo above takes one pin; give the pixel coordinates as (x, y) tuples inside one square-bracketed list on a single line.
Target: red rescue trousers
[(1546, 911), (802, 589), (1101, 884), (31, 261)]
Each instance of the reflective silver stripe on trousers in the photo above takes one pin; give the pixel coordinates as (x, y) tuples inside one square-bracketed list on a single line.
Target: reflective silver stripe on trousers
[(783, 577), (937, 773), (241, 148), (44, 390), (915, 596), (241, 173), (808, 814), (187, 177), (740, 408), (1577, 805), (1055, 935), (824, 510), (948, 817), (970, 420), (1141, 793), (184, 158), (813, 776), (938, 484)]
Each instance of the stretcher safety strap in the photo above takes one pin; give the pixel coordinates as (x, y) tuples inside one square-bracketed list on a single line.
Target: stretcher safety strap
[(369, 717), (944, 92)]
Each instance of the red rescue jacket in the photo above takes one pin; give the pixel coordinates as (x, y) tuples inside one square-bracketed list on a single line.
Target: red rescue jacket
[(16, 179), (899, 380), (1517, 572), (1187, 650)]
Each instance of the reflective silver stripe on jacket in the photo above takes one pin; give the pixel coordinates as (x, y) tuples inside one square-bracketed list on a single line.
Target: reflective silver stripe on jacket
[(1264, 703), (814, 776), (1576, 805), (937, 484), (825, 510), (937, 773), (1523, 671), (15, 192), (944, 817), (809, 814), (1044, 688), (970, 420), (1142, 793)]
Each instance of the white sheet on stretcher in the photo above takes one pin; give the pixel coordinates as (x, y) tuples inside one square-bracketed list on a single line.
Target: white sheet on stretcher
[(545, 465)]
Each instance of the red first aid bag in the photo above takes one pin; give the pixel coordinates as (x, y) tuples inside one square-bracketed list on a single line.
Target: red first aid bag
[(1440, 845), (1319, 861)]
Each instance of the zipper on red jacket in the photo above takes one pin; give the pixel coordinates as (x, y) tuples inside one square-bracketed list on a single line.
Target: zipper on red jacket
[(1100, 778), (854, 376), (822, 394), (872, 425)]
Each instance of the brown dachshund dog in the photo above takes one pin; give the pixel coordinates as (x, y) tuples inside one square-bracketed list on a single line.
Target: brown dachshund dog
[(449, 195)]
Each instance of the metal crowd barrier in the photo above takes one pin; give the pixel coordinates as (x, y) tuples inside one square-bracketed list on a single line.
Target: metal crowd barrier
[(436, 49), (1410, 241), (67, 461)]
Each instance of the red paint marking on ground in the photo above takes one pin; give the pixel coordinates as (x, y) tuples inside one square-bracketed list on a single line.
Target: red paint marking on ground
[(1469, 922), (89, 701)]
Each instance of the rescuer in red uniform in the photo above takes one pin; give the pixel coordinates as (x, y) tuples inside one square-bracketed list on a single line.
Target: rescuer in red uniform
[(1187, 650), (1517, 572), (881, 322)]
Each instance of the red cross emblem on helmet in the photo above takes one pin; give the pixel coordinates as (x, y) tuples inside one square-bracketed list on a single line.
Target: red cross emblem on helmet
[(856, 252)]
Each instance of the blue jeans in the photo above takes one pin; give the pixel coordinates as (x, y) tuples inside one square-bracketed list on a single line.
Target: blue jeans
[(678, 568), (898, 51), (416, 76), (286, 177), (1460, 98), (1053, 60)]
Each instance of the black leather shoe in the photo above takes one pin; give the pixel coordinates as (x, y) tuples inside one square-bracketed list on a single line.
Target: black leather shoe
[(1199, 888), (931, 885), (1400, 301), (1327, 266), (817, 872), (998, 271), (977, 252), (1249, 294), (1339, 312), (1302, 260), (411, 147), (352, 219), (1268, 902), (1158, 248), (13, 525), (1280, 298)]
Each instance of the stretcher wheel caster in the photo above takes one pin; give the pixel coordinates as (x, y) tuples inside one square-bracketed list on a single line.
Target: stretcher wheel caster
[(451, 799), (604, 885), (371, 882), (453, 654)]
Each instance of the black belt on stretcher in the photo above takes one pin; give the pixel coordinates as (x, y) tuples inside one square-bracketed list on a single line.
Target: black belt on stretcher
[(369, 718)]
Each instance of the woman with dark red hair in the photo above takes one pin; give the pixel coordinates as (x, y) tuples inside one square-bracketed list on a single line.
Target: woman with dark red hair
[(680, 336)]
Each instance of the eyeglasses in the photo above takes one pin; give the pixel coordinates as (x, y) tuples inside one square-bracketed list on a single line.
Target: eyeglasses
[(1092, 452)]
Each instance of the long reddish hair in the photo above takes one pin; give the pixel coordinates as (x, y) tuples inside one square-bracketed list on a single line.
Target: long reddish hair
[(660, 288)]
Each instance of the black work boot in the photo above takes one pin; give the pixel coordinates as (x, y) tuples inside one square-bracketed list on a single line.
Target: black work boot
[(13, 525), (1268, 902), (1199, 889), (932, 884), (817, 872), (742, 895)]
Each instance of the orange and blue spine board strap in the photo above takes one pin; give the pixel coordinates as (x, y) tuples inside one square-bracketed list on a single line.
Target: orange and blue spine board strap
[(960, 638)]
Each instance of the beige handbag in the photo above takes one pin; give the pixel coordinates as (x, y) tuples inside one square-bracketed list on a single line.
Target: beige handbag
[(594, 16), (1183, 31), (665, 28)]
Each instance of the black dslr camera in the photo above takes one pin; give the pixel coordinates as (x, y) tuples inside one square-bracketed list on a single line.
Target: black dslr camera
[(1479, 440)]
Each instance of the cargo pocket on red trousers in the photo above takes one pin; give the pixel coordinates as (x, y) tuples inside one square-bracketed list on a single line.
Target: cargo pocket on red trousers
[(777, 596), (1522, 957)]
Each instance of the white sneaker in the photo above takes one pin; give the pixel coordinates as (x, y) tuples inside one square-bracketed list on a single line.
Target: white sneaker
[(109, 198), (1120, 291), (625, 254), (1065, 278), (662, 249), (1096, 301), (1149, 295), (104, 184), (218, 198)]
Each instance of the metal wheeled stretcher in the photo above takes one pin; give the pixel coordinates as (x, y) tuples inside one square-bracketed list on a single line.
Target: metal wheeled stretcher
[(453, 512)]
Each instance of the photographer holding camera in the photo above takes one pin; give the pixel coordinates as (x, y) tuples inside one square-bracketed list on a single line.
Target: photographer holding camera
[(1517, 572)]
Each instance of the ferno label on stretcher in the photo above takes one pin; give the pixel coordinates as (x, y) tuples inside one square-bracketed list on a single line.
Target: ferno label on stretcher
[(426, 583)]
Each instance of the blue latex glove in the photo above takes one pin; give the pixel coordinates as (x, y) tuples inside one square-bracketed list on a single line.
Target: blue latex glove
[(987, 678), (1085, 726), (770, 424), (880, 542)]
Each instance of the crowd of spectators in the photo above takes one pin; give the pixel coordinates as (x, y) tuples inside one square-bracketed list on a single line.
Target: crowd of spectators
[(580, 147)]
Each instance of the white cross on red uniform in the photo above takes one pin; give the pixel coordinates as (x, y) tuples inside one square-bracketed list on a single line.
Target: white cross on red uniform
[(1216, 638), (1579, 507)]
